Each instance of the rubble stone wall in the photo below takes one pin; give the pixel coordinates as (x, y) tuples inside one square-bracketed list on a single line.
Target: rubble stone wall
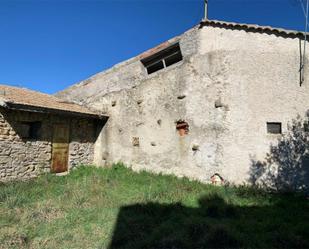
[(22, 158)]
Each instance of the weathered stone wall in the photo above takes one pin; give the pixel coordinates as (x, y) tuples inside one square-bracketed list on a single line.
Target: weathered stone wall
[(229, 84), (25, 158), (82, 142)]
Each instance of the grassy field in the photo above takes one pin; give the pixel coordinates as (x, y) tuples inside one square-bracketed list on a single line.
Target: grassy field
[(117, 208)]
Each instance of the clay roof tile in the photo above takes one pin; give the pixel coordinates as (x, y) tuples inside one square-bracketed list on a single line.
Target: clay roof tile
[(15, 96)]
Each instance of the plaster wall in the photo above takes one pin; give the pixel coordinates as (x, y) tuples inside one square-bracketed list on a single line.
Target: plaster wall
[(261, 79), (229, 84)]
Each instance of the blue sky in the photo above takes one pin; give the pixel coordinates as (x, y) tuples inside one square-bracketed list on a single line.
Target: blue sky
[(49, 45)]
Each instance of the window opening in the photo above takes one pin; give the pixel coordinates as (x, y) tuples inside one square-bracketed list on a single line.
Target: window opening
[(274, 127), (30, 130), (163, 59)]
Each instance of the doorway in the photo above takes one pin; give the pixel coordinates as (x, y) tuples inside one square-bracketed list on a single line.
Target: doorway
[(60, 148)]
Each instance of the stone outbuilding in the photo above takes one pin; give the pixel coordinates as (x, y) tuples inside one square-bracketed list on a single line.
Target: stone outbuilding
[(42, 133)]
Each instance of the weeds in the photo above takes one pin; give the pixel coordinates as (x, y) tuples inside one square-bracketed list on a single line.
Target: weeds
[(118, 208)]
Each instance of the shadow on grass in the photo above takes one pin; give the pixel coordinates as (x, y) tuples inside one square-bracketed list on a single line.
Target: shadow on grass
[(214, 224)]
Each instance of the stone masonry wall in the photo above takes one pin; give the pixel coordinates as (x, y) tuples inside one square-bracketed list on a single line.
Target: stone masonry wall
[(25, 158), (82, 142), (228, 86)]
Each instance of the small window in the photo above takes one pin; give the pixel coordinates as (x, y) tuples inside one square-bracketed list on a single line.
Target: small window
[(274, 127), (29, 130), (163, 59)]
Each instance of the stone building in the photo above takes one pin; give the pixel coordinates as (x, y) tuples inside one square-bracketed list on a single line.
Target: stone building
[(210, 102), (41, 133), (221, 102)]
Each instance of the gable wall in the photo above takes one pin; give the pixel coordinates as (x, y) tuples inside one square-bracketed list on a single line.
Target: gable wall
[(260, 74)]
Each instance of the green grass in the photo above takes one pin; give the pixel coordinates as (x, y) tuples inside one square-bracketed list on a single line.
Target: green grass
[(118, 208)]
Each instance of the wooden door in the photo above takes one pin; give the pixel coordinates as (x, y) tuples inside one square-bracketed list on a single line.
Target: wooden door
[(60, 148)]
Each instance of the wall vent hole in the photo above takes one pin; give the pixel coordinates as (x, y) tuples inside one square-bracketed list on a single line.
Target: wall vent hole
[(182, 127), (135, 141)]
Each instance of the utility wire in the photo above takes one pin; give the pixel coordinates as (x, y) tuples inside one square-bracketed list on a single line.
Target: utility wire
[(303, 61), (303, 7)]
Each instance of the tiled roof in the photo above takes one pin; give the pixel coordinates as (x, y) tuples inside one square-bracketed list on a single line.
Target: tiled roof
[(21, 98), (254, 28), (231, 25)]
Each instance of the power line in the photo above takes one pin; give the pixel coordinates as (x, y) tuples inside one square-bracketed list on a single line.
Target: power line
[(303, 60), (303, 7)]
